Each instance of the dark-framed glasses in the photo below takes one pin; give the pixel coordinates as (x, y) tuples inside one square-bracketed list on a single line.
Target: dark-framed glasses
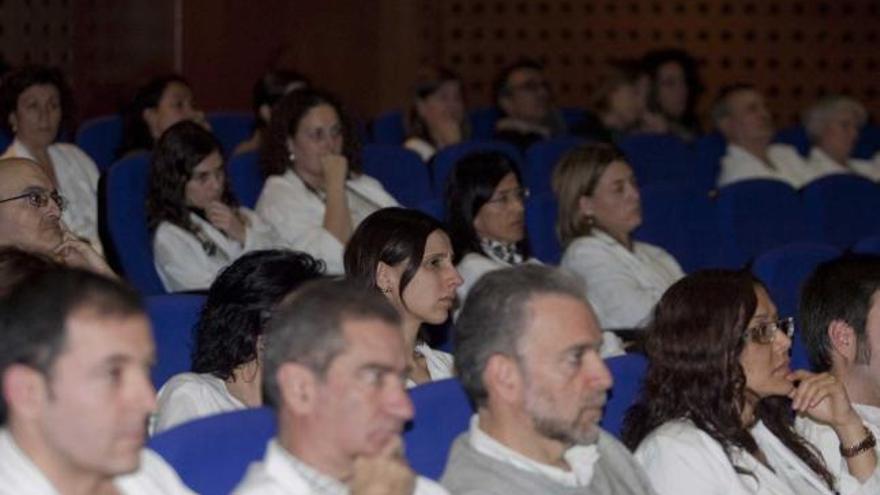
[(39, 199), (765, 333), (520, 194)]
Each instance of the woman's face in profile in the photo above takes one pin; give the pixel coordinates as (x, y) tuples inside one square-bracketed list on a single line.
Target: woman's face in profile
[(766, 365), (616, 203)]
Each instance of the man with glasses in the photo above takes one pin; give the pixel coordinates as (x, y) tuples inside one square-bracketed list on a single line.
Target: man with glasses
[(523, 95), (840, 324), (30, 217)]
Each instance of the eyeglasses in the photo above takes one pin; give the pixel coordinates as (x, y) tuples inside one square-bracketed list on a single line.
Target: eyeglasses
[(765, 333), (39, 199), (509, 197)]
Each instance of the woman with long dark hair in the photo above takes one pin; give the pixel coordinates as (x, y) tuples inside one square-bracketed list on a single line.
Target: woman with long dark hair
[(197, 225), (718, 401), (437, 116)]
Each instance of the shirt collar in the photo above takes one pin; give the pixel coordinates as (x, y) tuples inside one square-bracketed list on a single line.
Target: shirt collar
[(503, 252), (292, 473)]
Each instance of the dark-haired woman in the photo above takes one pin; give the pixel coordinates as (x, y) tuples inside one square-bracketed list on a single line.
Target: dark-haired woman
[(407, 255), (197, 225), (437, 117), (673, 89), (315, 194), (717, 405), (267, 91), (36, 104), (226, 359)]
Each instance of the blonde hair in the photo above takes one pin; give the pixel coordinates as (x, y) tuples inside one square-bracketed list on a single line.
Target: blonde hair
[(576, 175)]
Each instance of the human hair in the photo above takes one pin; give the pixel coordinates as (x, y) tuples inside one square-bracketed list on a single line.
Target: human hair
[(17, 81), (34, 316), (286, 117), (495, 315), (270, 87), (180, 150), (239, 304), (721, 106), (391, 236), (838, 290), (501, 86), (817, 116), (471, 184), (576, 175), (17, 265), (308, 327), (652, 62), (135, 131), (622, 73), (693, 346), (428, 80)]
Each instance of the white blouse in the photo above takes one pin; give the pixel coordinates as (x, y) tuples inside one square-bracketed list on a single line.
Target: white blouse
[(622, 285), (821, 165), (189, 396), (298, 214), (422, 147), (738, 165), (77, 177), (440, 364), (182, 262)]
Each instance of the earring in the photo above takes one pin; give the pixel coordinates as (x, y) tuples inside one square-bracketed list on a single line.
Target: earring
[(385, 290), (591, 221), (291, 156)]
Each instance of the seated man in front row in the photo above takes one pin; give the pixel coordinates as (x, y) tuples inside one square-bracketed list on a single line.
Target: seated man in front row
[(75, 391), (527, 352), (334, 369)]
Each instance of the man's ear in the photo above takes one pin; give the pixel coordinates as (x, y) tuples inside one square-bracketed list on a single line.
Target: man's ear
[(843, 340), (298, 387), (503, 379), (24, 389)]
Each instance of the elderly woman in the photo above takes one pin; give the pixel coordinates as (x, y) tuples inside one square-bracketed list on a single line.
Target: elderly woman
[(599, 208), (197, 225), (718, 401), (833, 125), (35, 102), (315, 194), (225, 372), (437, 117), (158, 105), (407, 255)]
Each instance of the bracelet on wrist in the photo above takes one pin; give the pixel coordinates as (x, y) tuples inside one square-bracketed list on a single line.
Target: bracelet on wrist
[(867, 443)]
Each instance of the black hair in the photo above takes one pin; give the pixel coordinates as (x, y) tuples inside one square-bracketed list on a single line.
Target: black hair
[(17, 81), (135, 131), (500, 86)]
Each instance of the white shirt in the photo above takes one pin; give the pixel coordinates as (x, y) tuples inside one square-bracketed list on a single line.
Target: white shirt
[(824, 438), (77, 177), (182, 262), (622, 285), (298, 214), (20, 476), (581, 458), (277, 475), (821, 164), (681, 459), (422, 147), (189, 396), (738, 165), (440, 364)]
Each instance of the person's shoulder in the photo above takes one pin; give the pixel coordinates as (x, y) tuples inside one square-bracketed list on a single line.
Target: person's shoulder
[(154, 475), (477, 262), (257, 481), (425, 486)]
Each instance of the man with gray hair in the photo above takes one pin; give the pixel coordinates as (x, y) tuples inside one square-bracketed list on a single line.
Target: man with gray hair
[(741, 115), (527, 353), (334, 369)]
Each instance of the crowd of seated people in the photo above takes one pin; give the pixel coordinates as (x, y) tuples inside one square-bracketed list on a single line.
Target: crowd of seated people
[(721, 411)]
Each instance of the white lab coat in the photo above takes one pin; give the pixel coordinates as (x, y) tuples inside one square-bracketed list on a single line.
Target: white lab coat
[(681, 459), (189, 396), (182, 262), (298, 214), (738, 165), (20, 476)]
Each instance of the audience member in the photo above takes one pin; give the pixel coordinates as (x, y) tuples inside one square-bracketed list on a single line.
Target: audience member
[(30, 217), (833, 125), (197, 225), (840, 324), (75, 353), (527, 352), (334, 370), (619, 104), (673, 88), (529, 114), (717, 403), (437, 117), (158, 105), (17, 265), (229, 337), (36, 104), (741, 115), (486, 204), (267, 91), (315, 194), (407, 256), (599, 208)]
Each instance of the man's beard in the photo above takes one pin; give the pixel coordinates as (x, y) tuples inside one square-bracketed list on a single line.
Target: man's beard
[(574, 432)]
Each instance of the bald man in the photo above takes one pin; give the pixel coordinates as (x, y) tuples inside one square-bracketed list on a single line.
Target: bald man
[(30, 217)]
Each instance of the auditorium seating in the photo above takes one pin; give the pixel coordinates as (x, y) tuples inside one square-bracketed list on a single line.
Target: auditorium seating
[(173, 318)]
